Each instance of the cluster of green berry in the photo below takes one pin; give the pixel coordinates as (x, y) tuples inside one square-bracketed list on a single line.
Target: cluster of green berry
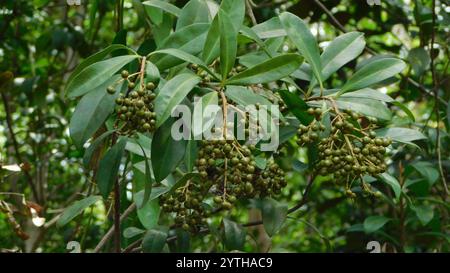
[(227, 170), (351, 151), (135, 109)]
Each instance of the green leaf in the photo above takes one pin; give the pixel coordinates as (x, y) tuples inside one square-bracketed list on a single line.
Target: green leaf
[(402, 135), (152, 73), (169, 152), (273, 214), (109, 166), (235, 9), (268, 71), (185, 57), (368, 93), (94, 146), (298, 32), (131, 232), (368, 107), (340, 51), (419, 59), (234, 235), (154, 241), (427, 170), (195, 11), (163, 5), (372, 73), (189, 39), (424, 213), (374, 223), (95, 58), (148, 214), (76, 208), (172, 94), (191, 154), (296, 106), (96, 74), (405, 109), (393, 183), (270, 29), (91, 112), (148, 182), (198, 128), (244, 96), (228, 44)]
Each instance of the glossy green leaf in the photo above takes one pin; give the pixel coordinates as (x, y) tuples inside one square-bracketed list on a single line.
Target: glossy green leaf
[(94, 146), (191, 154), (368, 93), (424, 213), (339, 52), (300, 35), (131, 232), (374, 223), (393, 183), (234, 235), (169, 152), (273, 215), (235, 9), (96, 74), (172, 94), (109, 166), (228, 44), (189, 39), (270, 29), (195, 11), (164, 5), (152, 73), (369, 107), (198, 128), (76, 209), (91, 112), (296, 106), (185, 57), (405, 109), (427, 170), (403, 135), (148, 213), (372, 73), (95, 58), (154, 241), (268, 71)]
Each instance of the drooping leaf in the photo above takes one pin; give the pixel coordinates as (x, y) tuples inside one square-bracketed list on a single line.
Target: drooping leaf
[(148, 213), (424, 213), (171, 94), (372, 73), (169, 152), (76, 208), (152, 73), (374, 223), (234, 235), (164, 5), (199, 118), (154, 241), (393, 183), (300, 35), (91, 112), (268, 71), (273, 215), (109, 166), (191, 154), (131, 232), (96, 74), (93, 147), (368, 93), (296, 106), (228, 44)]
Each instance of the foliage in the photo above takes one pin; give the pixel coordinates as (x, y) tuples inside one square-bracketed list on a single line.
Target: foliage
[(86, 117)]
